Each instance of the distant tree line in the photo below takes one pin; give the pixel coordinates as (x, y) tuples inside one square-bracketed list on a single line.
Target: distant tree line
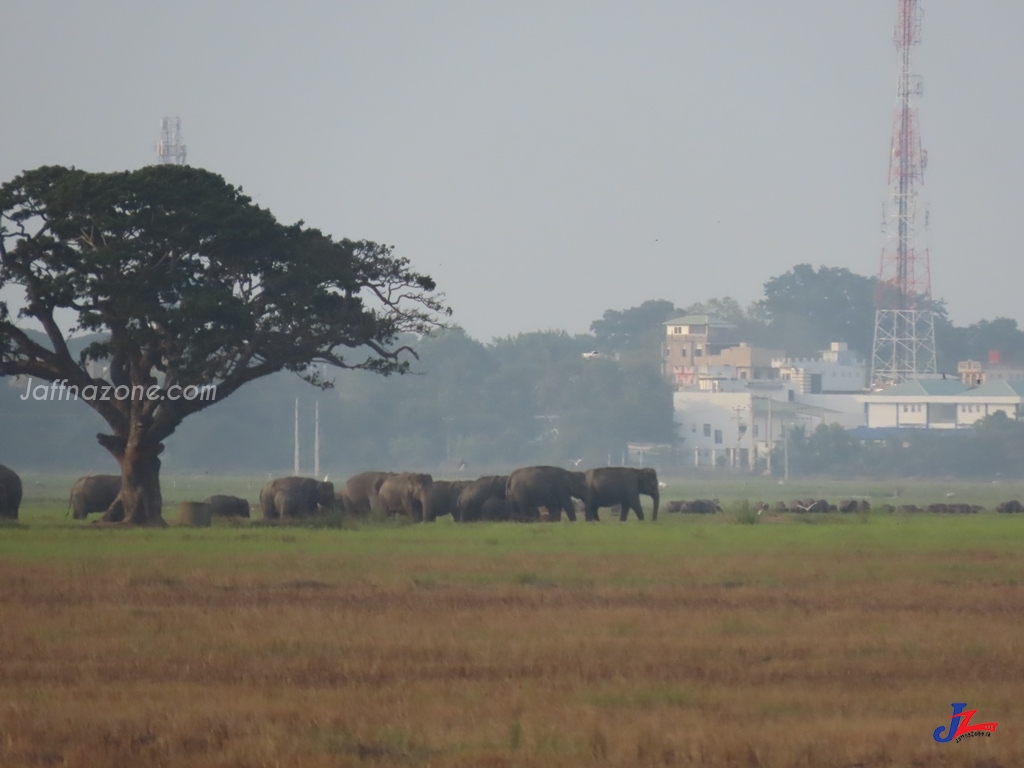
[(994, 448), (805, 310), (531, 398)]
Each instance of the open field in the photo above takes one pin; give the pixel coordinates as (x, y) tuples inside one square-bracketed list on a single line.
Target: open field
[(820, 642)]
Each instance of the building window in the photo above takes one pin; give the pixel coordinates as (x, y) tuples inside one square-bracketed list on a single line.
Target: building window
[(682, 352), (707, 430), (755, 430), (677, 329), (718, 437), (906, 408)]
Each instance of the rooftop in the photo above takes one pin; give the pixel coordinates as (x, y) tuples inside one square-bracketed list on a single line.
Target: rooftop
[(998, 388), (919, 387), (711, 320), (953, 387)]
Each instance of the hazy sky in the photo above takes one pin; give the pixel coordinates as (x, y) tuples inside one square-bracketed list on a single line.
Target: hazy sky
[(546, 161)]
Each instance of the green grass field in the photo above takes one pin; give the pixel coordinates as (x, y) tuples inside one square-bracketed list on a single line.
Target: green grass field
[(831, 641)]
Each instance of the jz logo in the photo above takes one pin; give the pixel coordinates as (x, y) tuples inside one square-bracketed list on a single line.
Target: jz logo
[(960, 725)]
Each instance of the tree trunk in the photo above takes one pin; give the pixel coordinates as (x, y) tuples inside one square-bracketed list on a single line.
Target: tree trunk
[(140, 501)]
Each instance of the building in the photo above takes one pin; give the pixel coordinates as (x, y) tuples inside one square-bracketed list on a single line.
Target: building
[(942, 404), (838, 370), (738, 428), (975, 373), (733, 401), (703, 352)]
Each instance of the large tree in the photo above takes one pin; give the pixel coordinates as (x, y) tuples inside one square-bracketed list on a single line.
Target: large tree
[(191, 285), (809, 309)]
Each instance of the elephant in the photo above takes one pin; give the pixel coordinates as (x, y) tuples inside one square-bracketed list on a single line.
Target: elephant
[(443, 498), (477, 493), (93, 493), (227, 506), (701, 507), (292, 497), (610, 486), (359, 495), (553, 488), (407, 493), (10, 493), (494, 509)]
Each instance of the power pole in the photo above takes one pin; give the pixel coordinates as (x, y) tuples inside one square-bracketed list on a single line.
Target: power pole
[(739, 435), (316, 441), (295, 462), (904, 344), (785, 451)]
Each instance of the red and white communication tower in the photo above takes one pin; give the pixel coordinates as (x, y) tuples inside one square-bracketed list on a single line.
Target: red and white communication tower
[(904, 346)]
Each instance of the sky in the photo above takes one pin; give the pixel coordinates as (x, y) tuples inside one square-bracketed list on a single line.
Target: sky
[(548, 160)]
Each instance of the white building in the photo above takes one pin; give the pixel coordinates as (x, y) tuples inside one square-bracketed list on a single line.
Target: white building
[(732, 420), (837, 371), (974, 373), (735, 429), (942, 404)]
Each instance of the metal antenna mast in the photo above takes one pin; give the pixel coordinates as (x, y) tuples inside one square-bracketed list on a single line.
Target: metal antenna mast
[(904, 346), (170, 149)]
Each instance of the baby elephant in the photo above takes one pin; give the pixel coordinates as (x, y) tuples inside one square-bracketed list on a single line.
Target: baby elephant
[(93, 493), (227, 506)]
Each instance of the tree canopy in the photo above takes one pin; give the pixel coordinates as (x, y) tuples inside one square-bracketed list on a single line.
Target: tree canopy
[(190, 283), (807, 309)]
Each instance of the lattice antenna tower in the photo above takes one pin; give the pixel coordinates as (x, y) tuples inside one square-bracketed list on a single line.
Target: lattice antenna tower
[(904, 346), (170, 149)]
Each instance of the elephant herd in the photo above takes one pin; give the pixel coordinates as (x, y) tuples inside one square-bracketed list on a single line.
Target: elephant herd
[(521, 495), (527, 494)]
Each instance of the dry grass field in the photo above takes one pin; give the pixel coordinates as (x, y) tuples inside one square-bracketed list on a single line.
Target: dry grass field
[(836, 642)]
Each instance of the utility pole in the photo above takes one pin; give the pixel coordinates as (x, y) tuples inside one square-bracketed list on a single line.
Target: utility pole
[(735, 464), (295, 462), (785, 451), (316, 441)]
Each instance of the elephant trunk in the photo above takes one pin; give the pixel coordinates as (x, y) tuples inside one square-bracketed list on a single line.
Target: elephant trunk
[(656, 496)]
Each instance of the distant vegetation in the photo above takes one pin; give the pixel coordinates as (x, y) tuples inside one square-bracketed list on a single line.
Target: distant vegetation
[(535, 398), (994, 448)]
